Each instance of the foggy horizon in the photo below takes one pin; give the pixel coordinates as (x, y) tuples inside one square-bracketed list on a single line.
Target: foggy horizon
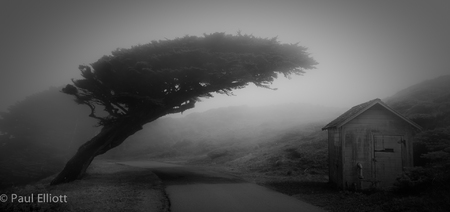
[(139, 138), (365, 50)]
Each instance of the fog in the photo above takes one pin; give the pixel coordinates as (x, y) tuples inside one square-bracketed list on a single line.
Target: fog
[(365, 49), (233, 128), (271, 137)]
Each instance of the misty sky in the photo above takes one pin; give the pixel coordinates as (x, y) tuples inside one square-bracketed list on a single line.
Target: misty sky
[(365, 49)]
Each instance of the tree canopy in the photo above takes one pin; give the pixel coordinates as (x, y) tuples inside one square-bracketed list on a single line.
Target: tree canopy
[(169, 76)]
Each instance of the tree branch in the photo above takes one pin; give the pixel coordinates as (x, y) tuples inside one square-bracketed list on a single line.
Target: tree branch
[(181, 108), (139, 97), (109, 108), (92, 107), (120, 107)]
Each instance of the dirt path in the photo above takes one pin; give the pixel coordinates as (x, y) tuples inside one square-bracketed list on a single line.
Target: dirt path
[(202, 190), (107, 186)]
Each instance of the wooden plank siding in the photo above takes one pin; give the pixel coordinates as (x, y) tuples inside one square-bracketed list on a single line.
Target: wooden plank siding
[(334, 157), (369, 146), (387, 159), (358, 143)]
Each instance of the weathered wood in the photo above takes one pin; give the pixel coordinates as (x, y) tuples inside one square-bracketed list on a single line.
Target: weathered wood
[(361, 147)]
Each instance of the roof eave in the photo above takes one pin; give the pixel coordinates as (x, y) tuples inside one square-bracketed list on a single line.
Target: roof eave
[(359, 113), (377, 101)]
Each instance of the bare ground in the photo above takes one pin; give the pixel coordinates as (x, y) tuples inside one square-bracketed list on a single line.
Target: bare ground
[(107, 186)]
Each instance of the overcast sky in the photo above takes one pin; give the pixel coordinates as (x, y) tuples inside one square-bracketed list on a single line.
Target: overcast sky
[(365, 49)]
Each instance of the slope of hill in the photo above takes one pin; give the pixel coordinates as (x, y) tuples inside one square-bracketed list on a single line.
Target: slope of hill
[(426, 103), (262, 138), (238, 127)]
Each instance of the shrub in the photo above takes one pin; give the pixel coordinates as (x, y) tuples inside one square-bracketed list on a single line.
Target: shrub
[(436, 172), (413, 180)]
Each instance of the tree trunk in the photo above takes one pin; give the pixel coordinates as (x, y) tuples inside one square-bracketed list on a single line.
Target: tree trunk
[(111, 136)]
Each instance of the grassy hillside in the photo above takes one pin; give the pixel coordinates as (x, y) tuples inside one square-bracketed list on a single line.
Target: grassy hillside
[(427, 103), (234, 130)]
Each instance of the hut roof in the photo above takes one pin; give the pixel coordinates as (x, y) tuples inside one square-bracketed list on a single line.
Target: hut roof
[(358, 109)]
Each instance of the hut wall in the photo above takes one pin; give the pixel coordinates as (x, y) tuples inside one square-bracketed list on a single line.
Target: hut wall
[(358, 146), (335, 157)]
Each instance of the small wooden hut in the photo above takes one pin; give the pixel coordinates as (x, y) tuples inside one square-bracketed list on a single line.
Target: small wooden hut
[(369, 146)]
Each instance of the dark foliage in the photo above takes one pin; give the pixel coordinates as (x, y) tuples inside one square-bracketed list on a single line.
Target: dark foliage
[(413, 181), (435, 174), (171, 75)]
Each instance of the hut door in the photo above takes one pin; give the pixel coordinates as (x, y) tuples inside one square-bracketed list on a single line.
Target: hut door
[(387, 159)]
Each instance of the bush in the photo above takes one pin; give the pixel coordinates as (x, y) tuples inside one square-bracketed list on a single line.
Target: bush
[(436, 172), (413, 180)]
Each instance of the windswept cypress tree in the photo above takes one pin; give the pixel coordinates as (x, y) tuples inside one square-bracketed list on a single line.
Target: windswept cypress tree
[(138, 85)]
